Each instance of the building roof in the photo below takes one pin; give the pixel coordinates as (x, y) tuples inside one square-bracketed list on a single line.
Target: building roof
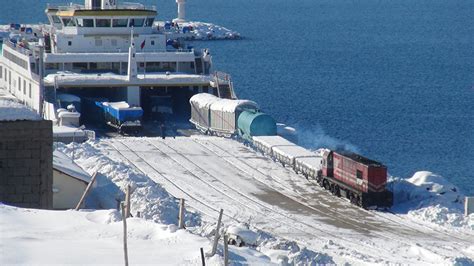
[(64, 164), (12, 110)]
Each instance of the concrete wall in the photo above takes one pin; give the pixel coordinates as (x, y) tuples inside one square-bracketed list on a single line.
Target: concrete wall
[(67, 191), (26, 161)]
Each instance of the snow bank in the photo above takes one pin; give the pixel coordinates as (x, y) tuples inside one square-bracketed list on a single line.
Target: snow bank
[(41, 237), (148, 198), (289, 253), (430, 198), (209, 31), (200, 31)]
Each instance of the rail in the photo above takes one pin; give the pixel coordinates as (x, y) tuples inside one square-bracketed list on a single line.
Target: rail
[(17, 47), (122, 51), (126, 5)]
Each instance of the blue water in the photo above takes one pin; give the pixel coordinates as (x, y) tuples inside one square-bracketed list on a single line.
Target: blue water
[(393, 80)]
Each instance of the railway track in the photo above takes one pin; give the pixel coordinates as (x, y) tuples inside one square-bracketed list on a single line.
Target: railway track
[(268, 209), (338, 216), (289, 236), (138, 156)]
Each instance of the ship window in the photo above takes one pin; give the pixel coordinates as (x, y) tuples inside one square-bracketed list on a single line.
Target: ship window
[(119, 23), (103, 23), (49, 66), (149, 22), (69, 43), (85, 22), (152, 42), (79, 65), (19, 84), (113, 42), (1, 72), (30, 91), (136, 22), (68, 22), (24, 87), (56, 19), (359, 174), (98, 42)]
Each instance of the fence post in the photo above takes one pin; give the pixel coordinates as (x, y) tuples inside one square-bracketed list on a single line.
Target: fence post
[(181, 213), (125, 248), (226, 251), (216, 236), (89, 186), (127, 201), (203, 260)]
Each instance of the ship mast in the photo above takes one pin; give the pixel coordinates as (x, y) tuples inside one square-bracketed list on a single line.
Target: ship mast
[(132, 61)]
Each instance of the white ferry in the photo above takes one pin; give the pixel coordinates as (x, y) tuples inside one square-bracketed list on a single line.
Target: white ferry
[(105, 51)]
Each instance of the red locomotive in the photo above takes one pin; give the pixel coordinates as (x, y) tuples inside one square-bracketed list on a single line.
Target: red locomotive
[(361, 180)]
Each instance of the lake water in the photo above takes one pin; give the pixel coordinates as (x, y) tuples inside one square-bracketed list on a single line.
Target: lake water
[(393, 80)]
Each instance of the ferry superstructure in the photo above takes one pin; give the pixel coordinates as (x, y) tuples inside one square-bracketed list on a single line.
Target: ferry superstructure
[(104, 49)]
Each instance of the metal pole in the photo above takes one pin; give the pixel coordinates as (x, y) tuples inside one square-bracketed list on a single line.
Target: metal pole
[(181, 213), (73, 144), (125, 248), (226, 251)]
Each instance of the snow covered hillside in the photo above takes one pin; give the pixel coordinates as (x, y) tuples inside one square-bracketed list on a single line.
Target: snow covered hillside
[(295, 220)]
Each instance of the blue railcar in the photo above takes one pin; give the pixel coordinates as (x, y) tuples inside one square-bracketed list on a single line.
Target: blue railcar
[(123, 117), (253, 123)]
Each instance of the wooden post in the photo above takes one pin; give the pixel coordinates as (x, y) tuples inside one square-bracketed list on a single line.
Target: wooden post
[(181, 213), (203, 260), (119, 202), (226, 251), (125, 248), (89, 186), (216, 236), (127, 201)]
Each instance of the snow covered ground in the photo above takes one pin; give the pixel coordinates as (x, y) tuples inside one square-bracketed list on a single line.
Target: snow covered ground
[(40, 237), (296, 221)]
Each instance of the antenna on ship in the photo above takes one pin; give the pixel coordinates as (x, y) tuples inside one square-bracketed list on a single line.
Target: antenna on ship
[(132, 61)]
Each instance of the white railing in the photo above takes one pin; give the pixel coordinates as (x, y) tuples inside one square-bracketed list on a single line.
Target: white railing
[(126, 5), (18, 48)]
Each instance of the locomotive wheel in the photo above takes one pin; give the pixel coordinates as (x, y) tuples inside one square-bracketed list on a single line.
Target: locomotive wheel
[(337, 191), (352, 198), (326, 185), (359, 201)]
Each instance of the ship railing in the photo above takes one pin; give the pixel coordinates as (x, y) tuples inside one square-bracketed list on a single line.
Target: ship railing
[(222, 76), (126, 5), (123, 51), (18, 48)]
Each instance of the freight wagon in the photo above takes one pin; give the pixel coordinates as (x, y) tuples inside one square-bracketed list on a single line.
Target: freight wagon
[(265, 144), (229, 117), (123, 117)]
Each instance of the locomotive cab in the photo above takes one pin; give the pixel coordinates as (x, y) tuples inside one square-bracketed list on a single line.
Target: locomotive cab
[(327, 163)]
